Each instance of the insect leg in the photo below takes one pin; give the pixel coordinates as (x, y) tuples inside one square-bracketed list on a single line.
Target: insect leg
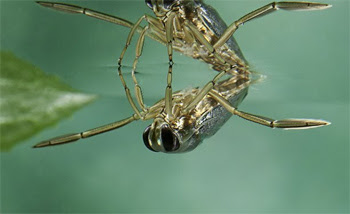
[(139, 47), (128, 41), (285, 123), (204, 91), (127, 92), (199, 36), (69, 8), (169, 27), (85, 134), (152, 30), (151, 22), (155, 27), (267, 9)]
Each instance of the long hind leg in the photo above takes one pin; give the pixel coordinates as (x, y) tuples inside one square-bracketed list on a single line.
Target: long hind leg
[(85, 134), (69, 8), (284, 123), (267, 9)]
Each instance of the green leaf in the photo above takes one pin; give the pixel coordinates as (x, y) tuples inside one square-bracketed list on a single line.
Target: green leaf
[(31, 100)]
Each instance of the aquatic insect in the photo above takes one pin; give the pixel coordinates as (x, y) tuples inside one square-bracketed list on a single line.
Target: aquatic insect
[(186, 130), (183, 119)]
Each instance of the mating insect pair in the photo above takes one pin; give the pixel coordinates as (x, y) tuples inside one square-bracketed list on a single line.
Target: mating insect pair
[(183, 119)]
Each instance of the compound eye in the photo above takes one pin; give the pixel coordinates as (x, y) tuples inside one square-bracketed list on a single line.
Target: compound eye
[(169, 140), (145, 138), (149, 3)]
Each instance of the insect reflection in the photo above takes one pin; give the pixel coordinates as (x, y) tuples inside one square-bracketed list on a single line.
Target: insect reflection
[(183, 119)]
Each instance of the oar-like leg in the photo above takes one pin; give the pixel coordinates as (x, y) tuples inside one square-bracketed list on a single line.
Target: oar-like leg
[(284, 124), (156, 34), (267, 9), (69, 8), (77, 136)]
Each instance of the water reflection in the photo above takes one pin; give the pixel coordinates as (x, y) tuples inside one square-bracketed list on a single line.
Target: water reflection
[(243, 168)]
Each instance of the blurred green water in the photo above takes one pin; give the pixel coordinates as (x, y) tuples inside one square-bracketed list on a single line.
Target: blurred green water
[(243, 168)]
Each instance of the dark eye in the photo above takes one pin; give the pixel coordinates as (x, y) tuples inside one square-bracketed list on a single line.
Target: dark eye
[(149, 3), (169, 140), (145, 138)]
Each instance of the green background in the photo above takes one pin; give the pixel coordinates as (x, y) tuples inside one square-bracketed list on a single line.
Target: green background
[(243, 168)]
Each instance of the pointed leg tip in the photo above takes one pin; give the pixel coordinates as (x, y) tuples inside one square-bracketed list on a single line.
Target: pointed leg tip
[(44, 3), (293, 124), (317, 123), (326, 6), (323, 6), (41, 2), (41, 144), (326, 123), (318, 6)]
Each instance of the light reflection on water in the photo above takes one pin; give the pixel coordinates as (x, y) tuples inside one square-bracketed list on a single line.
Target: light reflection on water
[(244, 167)]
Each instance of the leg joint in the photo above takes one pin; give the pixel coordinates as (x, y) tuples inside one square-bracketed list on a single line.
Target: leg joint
[(273, 5)]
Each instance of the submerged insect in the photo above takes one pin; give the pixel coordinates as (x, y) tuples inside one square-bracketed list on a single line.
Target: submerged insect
[(183, 119)]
